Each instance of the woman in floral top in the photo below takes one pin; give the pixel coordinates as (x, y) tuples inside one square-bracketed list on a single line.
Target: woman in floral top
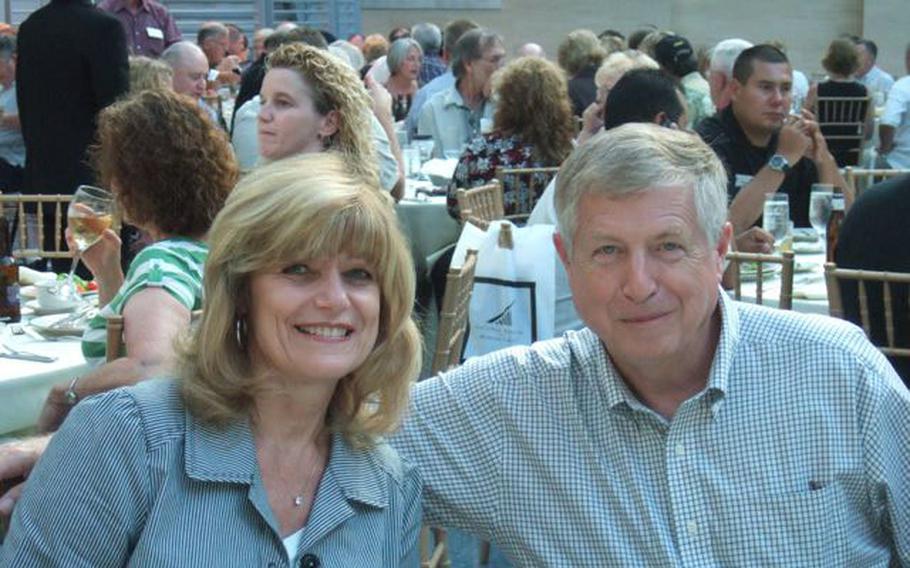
[(532, 128)]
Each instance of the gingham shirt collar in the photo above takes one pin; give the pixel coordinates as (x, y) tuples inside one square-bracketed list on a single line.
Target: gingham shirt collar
[(618, 394)]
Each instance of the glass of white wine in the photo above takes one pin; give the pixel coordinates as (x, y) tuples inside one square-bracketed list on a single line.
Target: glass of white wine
[(89, 214)]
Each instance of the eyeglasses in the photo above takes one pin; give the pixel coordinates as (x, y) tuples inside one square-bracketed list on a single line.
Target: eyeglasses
[(495, 60)]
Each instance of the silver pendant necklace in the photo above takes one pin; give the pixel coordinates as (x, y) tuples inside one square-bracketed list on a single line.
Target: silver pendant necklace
[(299, 499)]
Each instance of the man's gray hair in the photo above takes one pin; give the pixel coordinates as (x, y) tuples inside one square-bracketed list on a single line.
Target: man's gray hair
[(176, 54), (428, 36), (636, 158), (210, 30), (724, 55), (470, 47), (398, 52)]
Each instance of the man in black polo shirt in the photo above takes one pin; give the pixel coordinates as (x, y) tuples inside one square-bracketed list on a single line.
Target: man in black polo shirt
[(765, 149)]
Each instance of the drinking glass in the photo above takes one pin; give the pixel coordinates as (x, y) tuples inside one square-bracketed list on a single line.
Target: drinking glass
[(88, 215), (425, 144), (820, 207), (776, 216)]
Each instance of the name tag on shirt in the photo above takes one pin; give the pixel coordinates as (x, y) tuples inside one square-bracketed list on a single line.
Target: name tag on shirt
[(742, 180), (154, 33)]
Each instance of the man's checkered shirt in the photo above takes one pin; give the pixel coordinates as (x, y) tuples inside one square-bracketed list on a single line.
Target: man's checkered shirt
[(796, 454)]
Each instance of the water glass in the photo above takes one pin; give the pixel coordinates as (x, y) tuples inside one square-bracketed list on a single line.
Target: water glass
[(411, 161), (776, 216), (820, 201)]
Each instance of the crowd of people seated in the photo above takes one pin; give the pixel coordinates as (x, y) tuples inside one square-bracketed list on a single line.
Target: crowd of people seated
[(665, 424)]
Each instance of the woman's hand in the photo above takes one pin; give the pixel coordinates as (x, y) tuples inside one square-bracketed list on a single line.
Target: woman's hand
[(103, 259), (16, 461)]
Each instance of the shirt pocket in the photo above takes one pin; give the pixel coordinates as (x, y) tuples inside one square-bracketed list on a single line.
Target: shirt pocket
[(795, 529)]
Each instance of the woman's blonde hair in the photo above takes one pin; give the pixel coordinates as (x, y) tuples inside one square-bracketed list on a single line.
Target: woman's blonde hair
[(334, 86), (298, 209), (580, 49), (148, 74)]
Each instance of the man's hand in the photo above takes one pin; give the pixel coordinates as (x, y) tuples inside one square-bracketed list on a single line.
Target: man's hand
[(592, 121), (16, 461), (755, 239), (793, 141)]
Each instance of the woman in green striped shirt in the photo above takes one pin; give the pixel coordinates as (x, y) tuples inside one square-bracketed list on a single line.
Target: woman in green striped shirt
[(170, 169)]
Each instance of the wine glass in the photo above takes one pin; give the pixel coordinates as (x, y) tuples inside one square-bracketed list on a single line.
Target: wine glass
[(89, 214), (776, 217), (820, 201)]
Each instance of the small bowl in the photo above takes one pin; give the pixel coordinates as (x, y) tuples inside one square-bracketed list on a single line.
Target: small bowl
[(54, 297)]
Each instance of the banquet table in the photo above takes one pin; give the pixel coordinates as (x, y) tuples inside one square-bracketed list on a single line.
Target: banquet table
[(25, 384), (427, 224), (810, 294)]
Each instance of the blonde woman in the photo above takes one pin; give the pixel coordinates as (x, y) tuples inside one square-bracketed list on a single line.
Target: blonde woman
[(267, 449)]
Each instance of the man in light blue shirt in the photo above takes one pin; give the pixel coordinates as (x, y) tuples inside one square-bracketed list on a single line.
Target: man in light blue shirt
[(680, 428), (453, 32), (453, 116)]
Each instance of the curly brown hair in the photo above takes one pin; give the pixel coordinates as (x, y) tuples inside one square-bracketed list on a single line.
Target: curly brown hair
[(335, 86), (533, 103), (841, 58), (170, 165)]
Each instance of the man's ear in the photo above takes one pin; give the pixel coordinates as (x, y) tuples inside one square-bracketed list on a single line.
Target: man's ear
[(561, 249), (724, 243)]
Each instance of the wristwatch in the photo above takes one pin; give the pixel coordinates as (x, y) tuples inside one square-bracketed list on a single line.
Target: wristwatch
[(779, 163), (70, 396)]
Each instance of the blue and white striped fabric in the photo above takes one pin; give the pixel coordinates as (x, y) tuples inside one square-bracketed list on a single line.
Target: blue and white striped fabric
[(796, 454), (132, 479)]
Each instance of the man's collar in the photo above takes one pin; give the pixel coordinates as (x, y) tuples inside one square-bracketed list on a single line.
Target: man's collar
[(118, 5), (453, 97), (618, 393)]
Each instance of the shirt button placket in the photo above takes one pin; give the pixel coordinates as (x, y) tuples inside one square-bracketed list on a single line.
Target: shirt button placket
[(309, 561)]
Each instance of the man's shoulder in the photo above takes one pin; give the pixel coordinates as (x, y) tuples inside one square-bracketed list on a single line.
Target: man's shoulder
[(712, 130), (535, 366), (902, 84), (769, 328)]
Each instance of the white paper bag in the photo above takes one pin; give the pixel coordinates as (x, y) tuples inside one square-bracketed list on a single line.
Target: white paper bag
[(513, 298)]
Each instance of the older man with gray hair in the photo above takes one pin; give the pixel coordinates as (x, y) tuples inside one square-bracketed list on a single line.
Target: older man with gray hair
[(680, 427), (720, 70), (430, 39), (452, 116)]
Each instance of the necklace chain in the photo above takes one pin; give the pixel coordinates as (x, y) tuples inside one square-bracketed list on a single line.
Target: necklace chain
[(299, 499)]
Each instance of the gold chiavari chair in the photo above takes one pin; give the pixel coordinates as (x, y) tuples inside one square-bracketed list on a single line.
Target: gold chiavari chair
[(481, 205), (27, 207), (450, 335), (785, 259), (842, 121), (894, 304), (859, 178)]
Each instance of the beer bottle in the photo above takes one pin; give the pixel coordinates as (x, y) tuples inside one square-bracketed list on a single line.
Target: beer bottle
[(9, 276), (834, 223)]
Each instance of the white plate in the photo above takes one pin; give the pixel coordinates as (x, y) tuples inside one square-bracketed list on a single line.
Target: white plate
[(40, 311), (45, 326), (806, 247), (751, 275), (803, 267)]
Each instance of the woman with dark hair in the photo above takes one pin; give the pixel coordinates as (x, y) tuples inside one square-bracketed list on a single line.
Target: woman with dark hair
[(532, 128)]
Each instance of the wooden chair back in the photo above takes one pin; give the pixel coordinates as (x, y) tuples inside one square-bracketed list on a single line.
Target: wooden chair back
[(842, 121), (784, 259), (859, 178), (524, 185), (453, 317), (481, 205), (25, 207), (114, 328), (834, 276)]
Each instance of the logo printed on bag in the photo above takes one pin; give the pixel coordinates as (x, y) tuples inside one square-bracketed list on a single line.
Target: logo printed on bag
[(503, 318)]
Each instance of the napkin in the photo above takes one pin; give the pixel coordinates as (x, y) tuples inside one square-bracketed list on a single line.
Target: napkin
[(28, 276)]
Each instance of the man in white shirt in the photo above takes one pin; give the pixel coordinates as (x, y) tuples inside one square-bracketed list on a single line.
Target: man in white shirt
[(894, 129), (12, 147), (869, 74), (452, 117)]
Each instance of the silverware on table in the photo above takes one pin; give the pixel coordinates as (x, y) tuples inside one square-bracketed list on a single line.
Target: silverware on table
[(12, 353)]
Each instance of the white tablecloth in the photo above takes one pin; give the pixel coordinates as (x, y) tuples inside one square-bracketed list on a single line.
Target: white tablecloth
[(25, 384), (428, 226)]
